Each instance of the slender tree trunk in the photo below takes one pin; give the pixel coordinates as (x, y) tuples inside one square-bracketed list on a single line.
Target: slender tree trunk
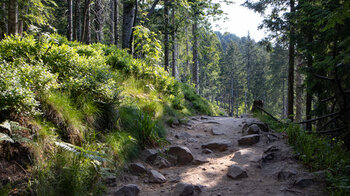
[(291, 65), (4, 29), (70, 20), (77, 21), (195, 68), (99, 20), (187, 53), (166, 35), (128, 22), (283, 100), (299, 93), (116, 20), (308, 93), (86, 30), (111, 24), (12, 17), (174, 59)]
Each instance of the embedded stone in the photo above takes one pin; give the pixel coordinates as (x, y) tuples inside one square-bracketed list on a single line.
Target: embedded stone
[(249, 140), (236, 172)]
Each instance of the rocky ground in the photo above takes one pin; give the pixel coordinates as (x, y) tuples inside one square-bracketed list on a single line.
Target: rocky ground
[(219, 156)]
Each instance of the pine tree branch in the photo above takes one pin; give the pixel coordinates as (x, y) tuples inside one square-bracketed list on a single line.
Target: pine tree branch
[(274, 118)]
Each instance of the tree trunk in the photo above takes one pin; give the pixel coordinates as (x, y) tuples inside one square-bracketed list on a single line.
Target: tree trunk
[(166, 35), (195, 76), (77, 21), (128, 22), (299, 93), (283, 114), (4, 29), (12, 17), (99, 21), (70, 20), (291, 65), (187, 54), (111, 24), (308, 93), (87, 31), (174, 59)]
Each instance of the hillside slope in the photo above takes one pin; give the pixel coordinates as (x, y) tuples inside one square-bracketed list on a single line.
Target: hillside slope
[(72, 114)]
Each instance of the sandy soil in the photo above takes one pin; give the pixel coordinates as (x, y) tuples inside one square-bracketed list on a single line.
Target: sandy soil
[(262, 178)]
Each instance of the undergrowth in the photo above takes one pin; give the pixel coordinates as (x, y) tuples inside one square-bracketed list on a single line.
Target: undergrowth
[(90, 109), (318, 153)]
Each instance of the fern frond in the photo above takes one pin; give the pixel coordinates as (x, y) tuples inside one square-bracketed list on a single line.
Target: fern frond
[(80, 151), (5, 137)]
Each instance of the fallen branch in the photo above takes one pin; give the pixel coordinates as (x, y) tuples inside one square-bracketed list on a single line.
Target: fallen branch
[(322, 77), (319, 118), (332, 130), (329, 122), (328, 99), (274, 118)]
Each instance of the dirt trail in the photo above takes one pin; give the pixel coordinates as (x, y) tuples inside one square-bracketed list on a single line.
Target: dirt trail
[(270, 172)]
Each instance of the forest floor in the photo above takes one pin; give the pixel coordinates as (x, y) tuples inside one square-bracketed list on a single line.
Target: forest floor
[(269, 167)]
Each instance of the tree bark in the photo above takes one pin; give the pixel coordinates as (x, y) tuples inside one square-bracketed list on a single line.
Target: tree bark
[(166, 35), (116, 20), (195, 76), (99, 21), (291, 65), (12, 17), (308, 93), (128, 22), (174, 59), (87, 31), (77, 21), (299, 93), (70, 20)]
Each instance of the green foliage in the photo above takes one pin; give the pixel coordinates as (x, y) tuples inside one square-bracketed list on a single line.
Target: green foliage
[(147, 45), (319, 153), (67, 173), (84, 103)]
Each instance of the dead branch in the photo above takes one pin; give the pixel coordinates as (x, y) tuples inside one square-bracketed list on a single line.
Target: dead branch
[(328, 99), (322, 77), (274, 118), (319, 118), (332, 130), (329, 122)]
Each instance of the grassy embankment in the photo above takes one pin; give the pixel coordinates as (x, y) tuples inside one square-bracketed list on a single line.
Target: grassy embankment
[(319, 153), (84, 111)]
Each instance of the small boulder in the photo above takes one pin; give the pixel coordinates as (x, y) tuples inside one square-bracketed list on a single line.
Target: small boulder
[(218, 145), (183, 135), (199, 161), (286, 174), (161, 162), (156, 177), (137, 168), (110, 180), (262, 126), (128, 190), (184, 189), (149, 155), (236, 172), (252, 129), (216, 130), (304, 182), (249, 140), (207, 151), (183, 154)]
